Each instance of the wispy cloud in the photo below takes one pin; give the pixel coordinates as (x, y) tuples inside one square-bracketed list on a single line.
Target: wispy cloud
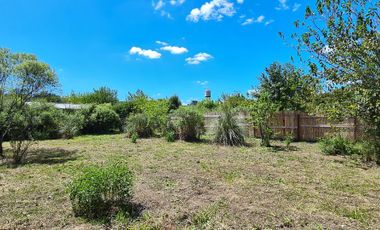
[(162, 43), (202, 83), (175, 49), (267, 23), (248, 21), (240, 1), (283, 5), (213, 10), (198, 58), (150, 54), (296, 6)]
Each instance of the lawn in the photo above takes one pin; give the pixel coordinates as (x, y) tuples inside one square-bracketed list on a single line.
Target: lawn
[(197, 186)]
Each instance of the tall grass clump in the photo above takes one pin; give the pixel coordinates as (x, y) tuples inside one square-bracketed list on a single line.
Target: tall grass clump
[(101, 191), (140, 125), (228, 132), (188, 124), (337, 145)]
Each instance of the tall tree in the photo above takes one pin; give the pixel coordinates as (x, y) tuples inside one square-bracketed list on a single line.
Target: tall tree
[(339, 39), (288, 87), (22, 77)]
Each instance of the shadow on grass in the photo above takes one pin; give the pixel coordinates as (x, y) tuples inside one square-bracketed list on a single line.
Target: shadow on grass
[(279, 148), (121, 212), (50, 156)]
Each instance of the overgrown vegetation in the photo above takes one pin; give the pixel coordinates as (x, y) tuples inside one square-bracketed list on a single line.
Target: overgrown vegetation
[(101, 191), (188, 124), (139, 125), (228, 131)]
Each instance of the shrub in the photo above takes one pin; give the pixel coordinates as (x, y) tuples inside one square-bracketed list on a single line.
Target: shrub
[(228, 132), (188, 124), (101, 119), (124, 109), (174, 102), (170, 136), (134, 138), (99, 190), (46, 121), (371, 151), (288, 140), (140, 125), (337, 145), (71, 125)]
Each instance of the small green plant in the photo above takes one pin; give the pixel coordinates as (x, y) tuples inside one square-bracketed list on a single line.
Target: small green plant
[(101, 190), (170, 136), (139, 124), (134, 138), (188, 124), (228, 131), (337, 145), (71, 125), (288, 140)]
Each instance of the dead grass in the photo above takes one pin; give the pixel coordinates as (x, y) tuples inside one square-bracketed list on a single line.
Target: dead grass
[(197, 186)]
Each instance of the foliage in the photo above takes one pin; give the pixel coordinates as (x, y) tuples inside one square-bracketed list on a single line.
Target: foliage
[(103, 95), (101, 189), (235, 101), (46, 121), (71, 125), (188, 124), (46, 96), (124, 109), (261, 112), (174, 103), (289, 87), (22, 77), (371, 151), (207, 105), (228, 131), (134, 138), (288, 140), (337, 145), (101, 119), (340, 40), (170, 136), (140, 125), (21, 135)]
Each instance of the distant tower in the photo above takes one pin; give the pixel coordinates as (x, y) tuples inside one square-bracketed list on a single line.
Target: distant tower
[(208, 94)]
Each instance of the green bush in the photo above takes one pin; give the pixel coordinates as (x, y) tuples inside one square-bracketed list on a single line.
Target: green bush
[(71, 125), (134, 138), (337, 145), (170, 136), (124, 109), (371, 151), (228, 132), (188, 124), (46, 121), (139, 124), (98, 191), (101, 119)]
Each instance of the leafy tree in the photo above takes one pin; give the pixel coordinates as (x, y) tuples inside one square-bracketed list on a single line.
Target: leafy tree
[(236, 100), (339, 39), (261, 111), (174, 102), (101, 119), (22, 77), (289, 87), (103, 95)]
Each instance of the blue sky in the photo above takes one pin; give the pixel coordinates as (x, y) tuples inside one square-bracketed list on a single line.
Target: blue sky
[(163, 47)]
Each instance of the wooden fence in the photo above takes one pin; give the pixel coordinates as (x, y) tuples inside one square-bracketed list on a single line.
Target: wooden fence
[(301, 126)]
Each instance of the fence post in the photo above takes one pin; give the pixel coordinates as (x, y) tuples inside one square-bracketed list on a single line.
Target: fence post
[(298, 137)]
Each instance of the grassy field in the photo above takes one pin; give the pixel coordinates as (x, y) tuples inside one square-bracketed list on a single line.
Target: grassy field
[(197, 186)]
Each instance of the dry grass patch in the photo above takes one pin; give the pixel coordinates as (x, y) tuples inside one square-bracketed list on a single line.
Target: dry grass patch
[(197, 186)]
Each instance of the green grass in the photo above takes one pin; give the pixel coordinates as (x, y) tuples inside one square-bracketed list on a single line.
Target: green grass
[(196, 186)]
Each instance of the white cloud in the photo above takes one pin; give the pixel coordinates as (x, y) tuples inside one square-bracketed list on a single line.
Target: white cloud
[(213, 10), (175, 49), (203, 83), (240, 1), (267, 23), (296, 6), (158, 5), (198, 58), (176, 2), (248, 21), (151, 54), (162, 43), (283, 5)]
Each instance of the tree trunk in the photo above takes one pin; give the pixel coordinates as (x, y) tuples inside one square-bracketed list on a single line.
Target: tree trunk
[(1, 149)]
